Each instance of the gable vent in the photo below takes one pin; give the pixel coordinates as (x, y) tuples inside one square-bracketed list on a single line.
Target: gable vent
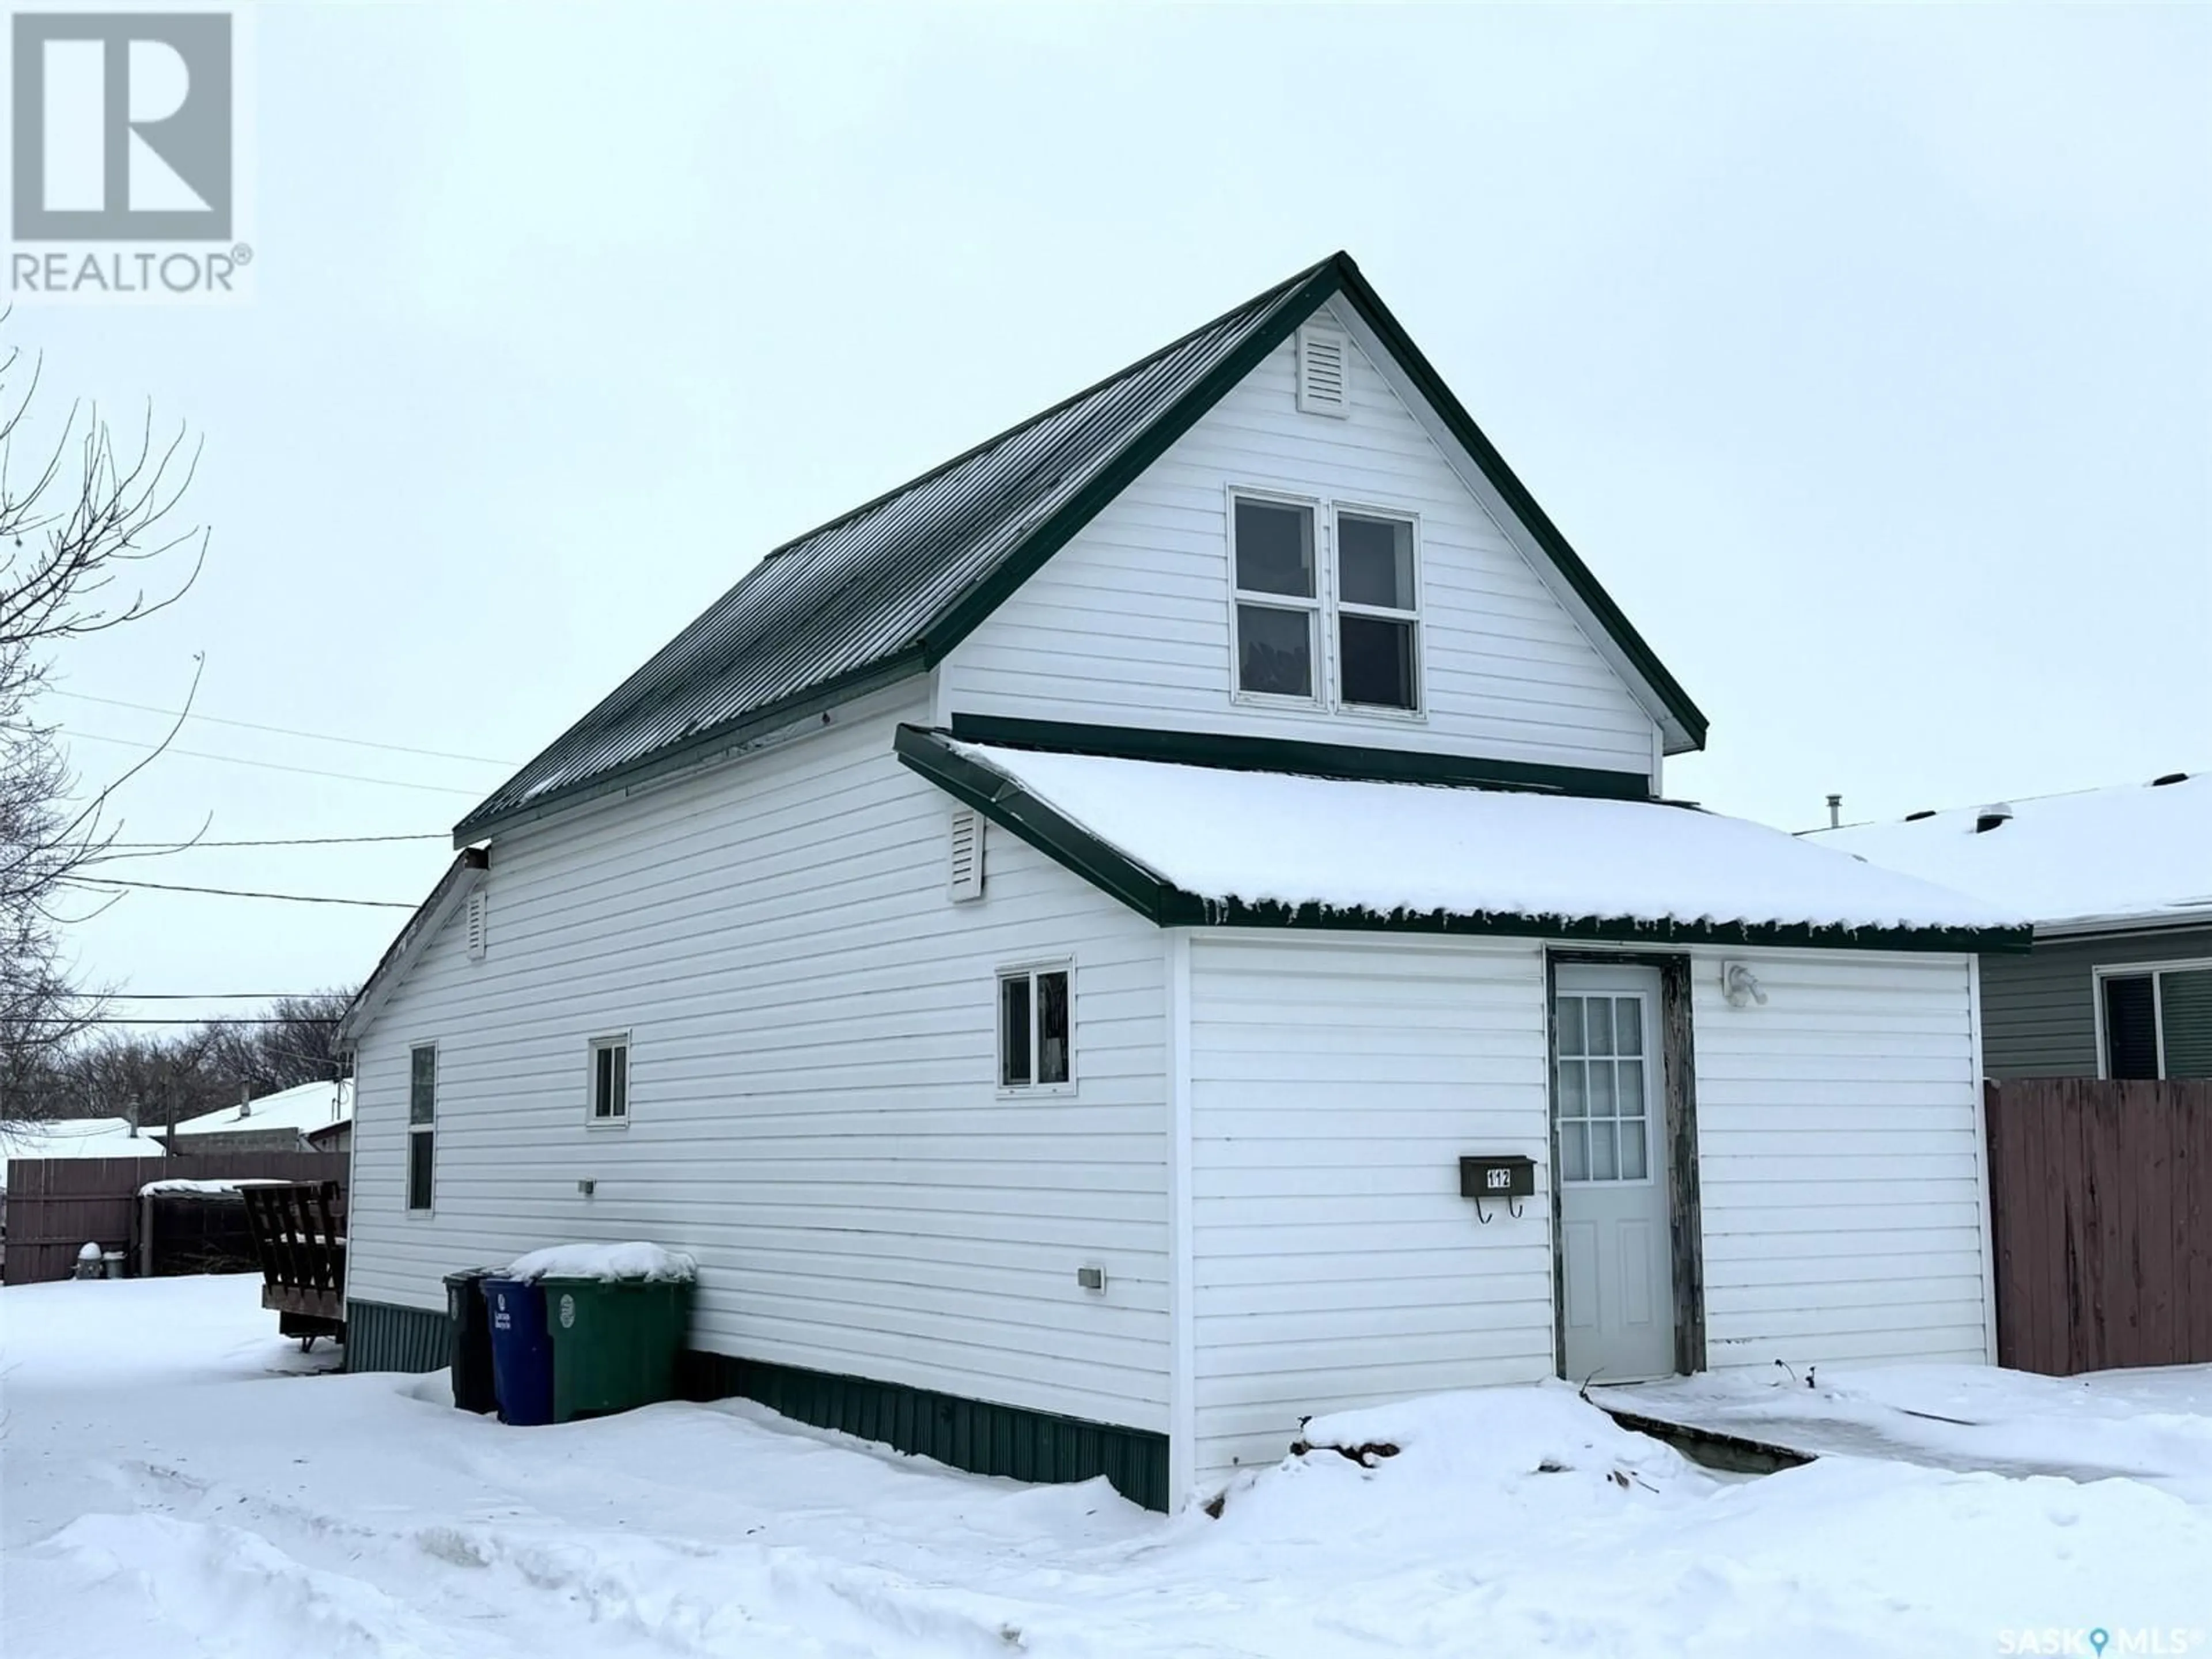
[(477, 927), (964, 876), (1324, 373)]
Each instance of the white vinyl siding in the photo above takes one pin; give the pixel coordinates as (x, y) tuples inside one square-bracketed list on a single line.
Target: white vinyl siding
[(1840, 1161), (1334, 1085), (817, 1114), (1129, 625)]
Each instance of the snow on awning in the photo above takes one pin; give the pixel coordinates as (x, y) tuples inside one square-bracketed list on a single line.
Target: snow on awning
[(1199, 845)]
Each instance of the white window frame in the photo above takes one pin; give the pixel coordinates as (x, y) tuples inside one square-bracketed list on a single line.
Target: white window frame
[(1341, 607), (593, 1049), (1323, 610), (2150, 971), (1655, 1092), (1029, 971), (430, 1129), (1315, 609)]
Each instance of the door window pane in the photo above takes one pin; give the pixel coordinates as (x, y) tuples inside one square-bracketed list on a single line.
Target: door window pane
[(1628, 1023), (1600, 1089), (1378, 661), (1600, 1025), (1630, 1077), (2130, 1028), (1375, 562), (2184, 1001), (1574, 1151), (1574, 1093), (1274, 651), (1274, 549), (1570, 1025), (1632, 1161), (1603, 1167)]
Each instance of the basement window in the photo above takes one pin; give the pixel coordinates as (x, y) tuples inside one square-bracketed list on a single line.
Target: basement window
[(611, 1079), (2156, 1021), (421, 1122), (1035, 1028)]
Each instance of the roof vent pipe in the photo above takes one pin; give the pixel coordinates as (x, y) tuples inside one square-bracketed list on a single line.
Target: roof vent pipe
[(1835, 811), (2169, 777), (1989, 817)]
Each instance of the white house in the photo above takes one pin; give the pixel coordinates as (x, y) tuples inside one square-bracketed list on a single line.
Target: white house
[(304, 1118), (1047, 940)]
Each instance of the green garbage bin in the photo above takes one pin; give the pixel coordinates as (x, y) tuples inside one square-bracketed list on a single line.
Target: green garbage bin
[(614, 1342)]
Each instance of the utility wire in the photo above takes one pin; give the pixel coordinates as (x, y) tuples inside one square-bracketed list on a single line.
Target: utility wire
[(124, 1019), (241, 892), (74, 735), (293, 841), (280, 731), (196, 996)]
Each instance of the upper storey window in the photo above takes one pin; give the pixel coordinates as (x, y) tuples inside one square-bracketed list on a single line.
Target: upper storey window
[(1327, 611)]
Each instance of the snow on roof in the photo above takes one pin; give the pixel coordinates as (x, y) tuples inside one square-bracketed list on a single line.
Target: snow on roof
[(78, 1136), (1266, 836), (2133, 851), (309, 1106)]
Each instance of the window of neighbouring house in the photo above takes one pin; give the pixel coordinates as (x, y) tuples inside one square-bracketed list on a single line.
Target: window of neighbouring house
[(1377, 619), (422, 1123), (611, 1079), (1278, 599), (2158, 1021), (1035, 1028)]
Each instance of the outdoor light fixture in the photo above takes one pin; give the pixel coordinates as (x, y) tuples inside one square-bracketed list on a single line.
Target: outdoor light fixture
[(1741, 985)]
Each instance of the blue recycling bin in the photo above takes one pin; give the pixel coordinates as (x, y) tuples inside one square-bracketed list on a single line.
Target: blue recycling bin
[(521, 1350)]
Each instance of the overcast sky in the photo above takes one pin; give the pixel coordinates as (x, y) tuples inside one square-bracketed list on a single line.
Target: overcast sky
[(1862, 353)]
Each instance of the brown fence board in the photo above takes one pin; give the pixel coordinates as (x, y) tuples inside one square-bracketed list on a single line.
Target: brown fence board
[(58, 1205), (2100, 1214)]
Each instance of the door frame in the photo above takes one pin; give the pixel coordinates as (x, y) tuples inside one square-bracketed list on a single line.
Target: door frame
[(1679, 1114)]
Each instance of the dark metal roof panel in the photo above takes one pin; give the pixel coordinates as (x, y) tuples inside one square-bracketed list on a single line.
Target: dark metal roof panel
[(863, 591)]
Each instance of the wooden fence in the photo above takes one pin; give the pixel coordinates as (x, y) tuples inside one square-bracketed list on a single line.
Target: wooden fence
[(58, 1205), (2100, 1197)]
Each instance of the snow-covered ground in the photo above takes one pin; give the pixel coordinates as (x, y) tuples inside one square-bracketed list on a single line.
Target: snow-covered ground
[(177, 1482)]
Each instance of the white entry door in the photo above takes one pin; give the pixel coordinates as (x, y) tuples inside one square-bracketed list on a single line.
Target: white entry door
[(1616, 1271)]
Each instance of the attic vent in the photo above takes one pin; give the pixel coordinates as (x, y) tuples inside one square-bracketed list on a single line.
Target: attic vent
[(2169, 777), (964, 875), (477, 927), (1323, 372), (1990, 816)]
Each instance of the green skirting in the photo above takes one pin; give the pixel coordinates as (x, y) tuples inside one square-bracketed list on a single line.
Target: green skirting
[(967, 1434), (380, 1337)]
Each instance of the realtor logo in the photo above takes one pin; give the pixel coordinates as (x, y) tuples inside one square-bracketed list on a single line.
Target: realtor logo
[(122, 126)]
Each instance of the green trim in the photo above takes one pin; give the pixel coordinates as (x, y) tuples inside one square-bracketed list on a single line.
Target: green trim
[(700, 745), (1356, 762), (1150, 442), (1004, 800), (974, 1435), (1609, 615), (381, 1336)]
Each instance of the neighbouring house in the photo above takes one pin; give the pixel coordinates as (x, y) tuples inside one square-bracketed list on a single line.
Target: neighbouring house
[(2118, 883), (1166, 924), (307, 1118)]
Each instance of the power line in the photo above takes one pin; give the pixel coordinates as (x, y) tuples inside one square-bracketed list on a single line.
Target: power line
[(123, 1019), (280, 731), (74, 735), (241, 892), (197, 996), (293, 841)]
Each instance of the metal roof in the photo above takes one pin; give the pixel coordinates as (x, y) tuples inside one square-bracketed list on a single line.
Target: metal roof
[(889, 588)]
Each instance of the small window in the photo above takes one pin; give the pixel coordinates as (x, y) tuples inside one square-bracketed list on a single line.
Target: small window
[(1035, 1029), (1278, 599), (611, 1079), (422, 1123), (2158, 1023), (1377, 614)]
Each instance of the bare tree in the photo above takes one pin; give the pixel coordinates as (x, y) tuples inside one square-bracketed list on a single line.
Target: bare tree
[(81, 528)]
